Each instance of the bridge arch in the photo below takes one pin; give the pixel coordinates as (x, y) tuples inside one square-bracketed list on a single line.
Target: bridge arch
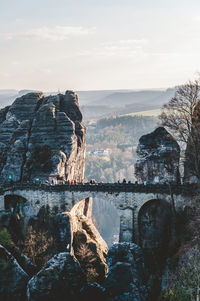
[(107, 218), (14, 203), (154, 220), (128, 205)]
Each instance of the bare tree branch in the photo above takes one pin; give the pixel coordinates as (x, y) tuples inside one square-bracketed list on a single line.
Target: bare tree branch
[(181, 115)]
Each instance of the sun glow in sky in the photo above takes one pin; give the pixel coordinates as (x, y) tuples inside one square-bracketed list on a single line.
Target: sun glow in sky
[(98, 44)]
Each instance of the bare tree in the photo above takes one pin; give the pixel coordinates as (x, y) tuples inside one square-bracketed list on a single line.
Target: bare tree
[(181, 115), (37, 246), (87, 260)]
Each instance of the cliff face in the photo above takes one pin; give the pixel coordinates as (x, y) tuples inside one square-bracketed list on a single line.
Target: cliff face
[(42, 138), (77, 233), (159, 155)]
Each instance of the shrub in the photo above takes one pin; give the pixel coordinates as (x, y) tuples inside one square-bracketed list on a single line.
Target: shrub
[(5, 238), (177, 293), (183, 284)]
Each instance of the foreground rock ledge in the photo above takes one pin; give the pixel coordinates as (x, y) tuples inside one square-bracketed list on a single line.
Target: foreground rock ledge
[(13, 278), (60, 279)]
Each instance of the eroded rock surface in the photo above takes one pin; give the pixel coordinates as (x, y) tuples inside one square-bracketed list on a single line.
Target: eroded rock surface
[(60, 279), (78, 233), (13, 278), (127, 278), (42, 138), (158, 160)]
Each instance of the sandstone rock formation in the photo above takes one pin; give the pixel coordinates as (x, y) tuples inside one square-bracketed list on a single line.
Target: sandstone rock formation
[(127, 277), (78, 233), (13, 279), (158, 161), (60, 279), (72, 273), (42, 138)]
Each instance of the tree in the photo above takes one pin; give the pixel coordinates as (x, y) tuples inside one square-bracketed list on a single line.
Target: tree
[(181, 115), (6, 238), (184, 283), (37, 246)]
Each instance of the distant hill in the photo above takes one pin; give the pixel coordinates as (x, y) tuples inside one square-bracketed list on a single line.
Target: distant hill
[(94, 97), (100, 104), (8, 91), (105, 103), (7, 96), (123, 97)]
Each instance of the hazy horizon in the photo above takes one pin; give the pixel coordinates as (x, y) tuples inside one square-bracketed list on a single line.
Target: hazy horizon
[(88, 90), (95, 45)]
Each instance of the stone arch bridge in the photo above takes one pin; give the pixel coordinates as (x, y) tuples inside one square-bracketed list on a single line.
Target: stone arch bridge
[(129, 200)]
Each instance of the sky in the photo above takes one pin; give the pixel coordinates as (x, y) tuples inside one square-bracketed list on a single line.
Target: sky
[(54, 45)]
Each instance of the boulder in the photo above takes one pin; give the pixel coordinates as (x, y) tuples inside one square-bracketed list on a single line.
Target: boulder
[(60, 279), (13, 278), (42, 138), (158, 158), (24, 261), (93, 291), (127, 278)]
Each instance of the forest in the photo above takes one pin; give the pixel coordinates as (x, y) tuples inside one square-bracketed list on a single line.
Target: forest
[(119, 136)]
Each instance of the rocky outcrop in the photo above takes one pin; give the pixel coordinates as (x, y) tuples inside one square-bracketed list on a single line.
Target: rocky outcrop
[(71, 231), (127, 278), (13, 279), (78, 233), (60, 279), (23, 261), (93, 291), (158, 160), (42, 138)]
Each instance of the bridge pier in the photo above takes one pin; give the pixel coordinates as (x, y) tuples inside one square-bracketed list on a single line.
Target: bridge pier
[(2, 207), (127, 225)]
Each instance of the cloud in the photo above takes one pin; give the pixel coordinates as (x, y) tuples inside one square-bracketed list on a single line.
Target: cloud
[(57, 33), (128, 43), (124, 48), (133, 42)]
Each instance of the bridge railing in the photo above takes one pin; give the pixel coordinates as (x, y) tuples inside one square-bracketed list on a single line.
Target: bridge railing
[(104, 187)]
